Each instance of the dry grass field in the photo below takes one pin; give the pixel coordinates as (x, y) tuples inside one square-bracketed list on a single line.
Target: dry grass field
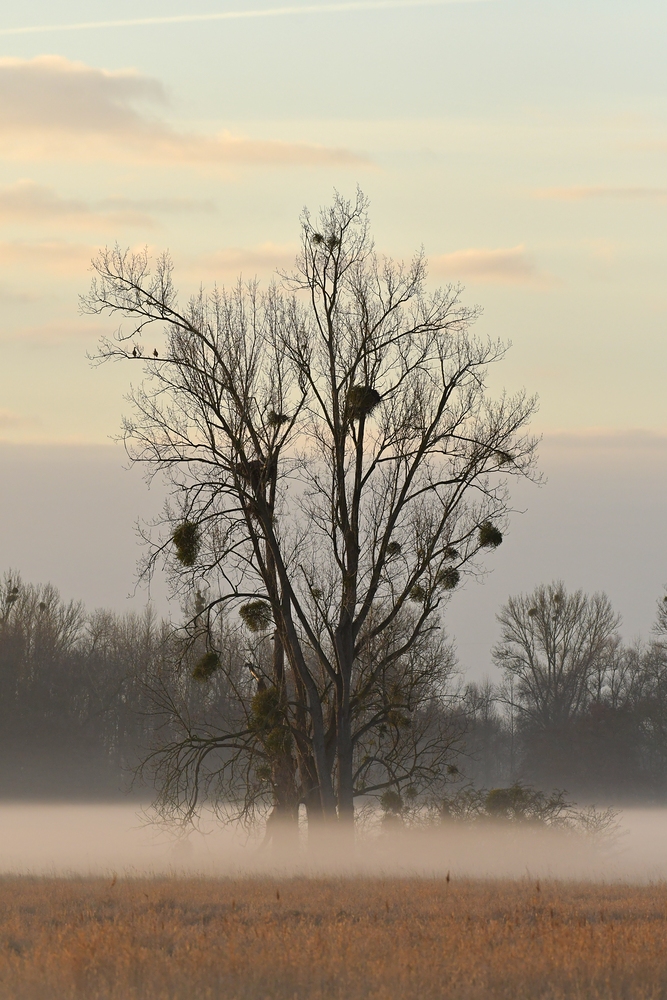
[(252, 939)]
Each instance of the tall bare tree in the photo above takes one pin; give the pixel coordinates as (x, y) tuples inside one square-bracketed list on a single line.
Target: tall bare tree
[(335, 465)]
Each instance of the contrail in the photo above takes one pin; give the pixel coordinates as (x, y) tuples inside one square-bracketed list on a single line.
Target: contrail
[(235, 15)]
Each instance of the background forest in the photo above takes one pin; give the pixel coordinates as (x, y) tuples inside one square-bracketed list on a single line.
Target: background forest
[(87, 696)]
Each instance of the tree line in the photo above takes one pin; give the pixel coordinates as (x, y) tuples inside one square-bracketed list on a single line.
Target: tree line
[(96, 705), (72, 693), (99, 705), (577, 708)]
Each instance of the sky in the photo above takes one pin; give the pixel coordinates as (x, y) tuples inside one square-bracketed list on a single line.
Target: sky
[(522, 143)]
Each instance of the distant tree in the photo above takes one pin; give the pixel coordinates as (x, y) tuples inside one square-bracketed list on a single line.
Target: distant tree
[(72, 706), (552, 644), (118, 653), (646, 686), (39, 645), (335, 465), (488, 737), (660, 624), (554, 651)]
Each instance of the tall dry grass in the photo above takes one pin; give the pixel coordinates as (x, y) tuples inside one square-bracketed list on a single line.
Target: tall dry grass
[(252, 939)]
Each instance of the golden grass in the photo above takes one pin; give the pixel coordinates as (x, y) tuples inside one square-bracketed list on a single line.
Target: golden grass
[(343, 938)]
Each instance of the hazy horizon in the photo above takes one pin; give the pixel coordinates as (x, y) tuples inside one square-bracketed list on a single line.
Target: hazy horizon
[(73, 511)]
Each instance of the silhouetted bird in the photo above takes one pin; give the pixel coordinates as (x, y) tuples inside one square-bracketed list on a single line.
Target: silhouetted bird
[(155, 352), (135, 352)]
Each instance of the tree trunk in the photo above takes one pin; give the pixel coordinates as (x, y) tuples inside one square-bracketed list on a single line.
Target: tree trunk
[(345, 774), (283, 768), (300, 669), (344, 754)]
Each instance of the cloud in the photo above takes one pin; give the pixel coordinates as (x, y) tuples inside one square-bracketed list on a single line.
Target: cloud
[(51, 106), (11, 295), (8, 419), (607, 439), (28, 202), (54, 93), (601, 249), (177, 205), (58, 256), (229, 15), (266, 257), (509, 266), (615, 193), (56, 334), (73, 259)]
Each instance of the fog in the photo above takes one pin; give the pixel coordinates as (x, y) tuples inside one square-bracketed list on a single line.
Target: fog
[(110, 839)]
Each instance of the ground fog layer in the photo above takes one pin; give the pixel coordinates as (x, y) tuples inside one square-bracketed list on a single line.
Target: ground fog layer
[(100, 839), (255, 938)]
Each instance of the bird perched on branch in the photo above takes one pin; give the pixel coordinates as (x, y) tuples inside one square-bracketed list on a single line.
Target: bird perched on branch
[(135, 352), (155, 352)]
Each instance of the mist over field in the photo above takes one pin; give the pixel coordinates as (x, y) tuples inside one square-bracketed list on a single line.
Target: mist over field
[(107, 839)]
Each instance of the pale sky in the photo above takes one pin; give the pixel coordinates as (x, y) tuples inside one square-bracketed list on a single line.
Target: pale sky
[(522, 142)]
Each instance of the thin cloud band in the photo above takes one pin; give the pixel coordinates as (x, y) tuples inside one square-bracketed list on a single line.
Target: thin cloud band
[(235, 15)]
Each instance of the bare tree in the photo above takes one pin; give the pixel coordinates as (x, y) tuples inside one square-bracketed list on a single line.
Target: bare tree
[(554, 646), (488, 736), (204, 744), (72, 711), (335, 464), (660, 624)]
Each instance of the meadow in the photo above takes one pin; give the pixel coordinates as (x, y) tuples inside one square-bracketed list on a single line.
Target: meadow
[(324, 938)]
